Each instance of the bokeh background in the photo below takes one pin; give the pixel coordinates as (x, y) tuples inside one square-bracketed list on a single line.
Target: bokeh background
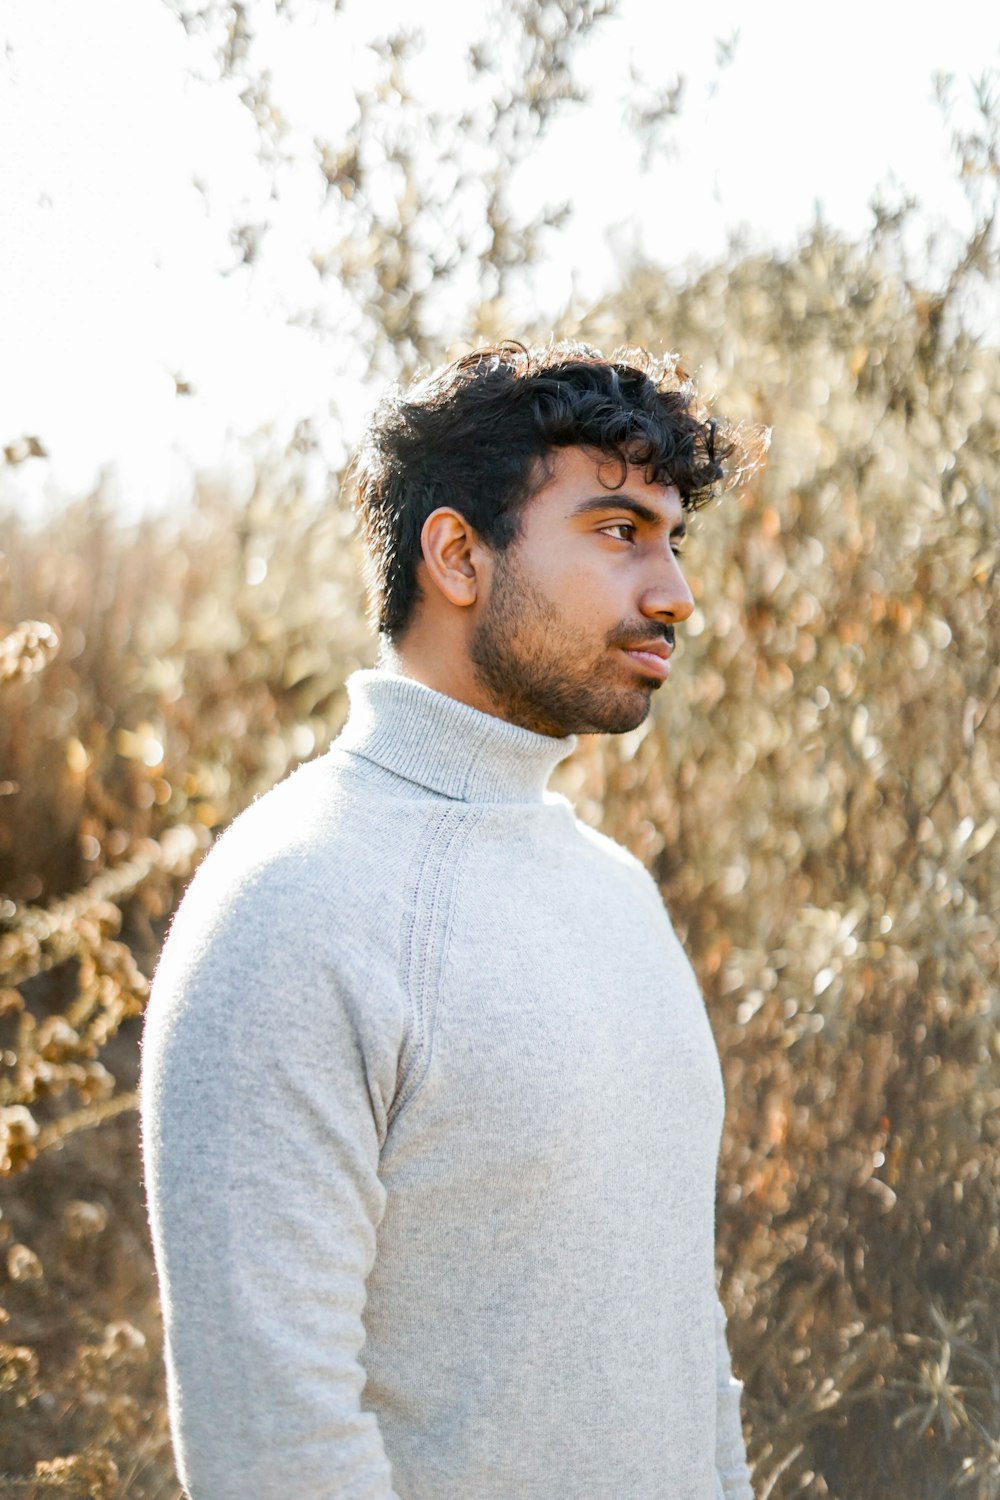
[(225, 227)]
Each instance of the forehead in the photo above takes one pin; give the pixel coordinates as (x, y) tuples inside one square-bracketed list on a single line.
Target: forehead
[(570, 475)]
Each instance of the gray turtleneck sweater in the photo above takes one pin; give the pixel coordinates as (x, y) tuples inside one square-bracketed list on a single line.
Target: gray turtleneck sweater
[(431, 1114)]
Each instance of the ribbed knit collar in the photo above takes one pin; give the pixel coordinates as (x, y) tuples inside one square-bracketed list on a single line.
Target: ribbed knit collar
[(445, 745)]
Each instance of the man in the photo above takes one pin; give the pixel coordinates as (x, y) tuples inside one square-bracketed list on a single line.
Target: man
[(431, 1104)]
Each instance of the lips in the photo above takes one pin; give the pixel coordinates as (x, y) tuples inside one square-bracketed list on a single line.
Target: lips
[(651, 657)]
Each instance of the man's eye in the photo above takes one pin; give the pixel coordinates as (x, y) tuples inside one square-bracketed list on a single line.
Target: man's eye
[(626, 528)]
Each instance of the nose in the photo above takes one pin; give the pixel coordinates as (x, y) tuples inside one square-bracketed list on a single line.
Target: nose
[(667, 595)]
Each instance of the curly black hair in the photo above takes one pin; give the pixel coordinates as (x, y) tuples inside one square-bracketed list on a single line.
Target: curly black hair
[(475, 435)]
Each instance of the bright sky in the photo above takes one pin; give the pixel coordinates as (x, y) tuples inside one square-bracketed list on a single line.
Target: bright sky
[(111, 256)]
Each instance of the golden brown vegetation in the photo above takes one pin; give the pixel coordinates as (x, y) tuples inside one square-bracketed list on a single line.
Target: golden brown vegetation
[(115, 768), (821, 801), (819, 796)]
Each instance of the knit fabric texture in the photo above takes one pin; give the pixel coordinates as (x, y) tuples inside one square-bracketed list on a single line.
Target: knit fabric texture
[(431, 1117)]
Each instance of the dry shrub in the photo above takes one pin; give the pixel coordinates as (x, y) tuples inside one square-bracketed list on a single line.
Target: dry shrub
[(820, 797), (817, 793), (167, 679)]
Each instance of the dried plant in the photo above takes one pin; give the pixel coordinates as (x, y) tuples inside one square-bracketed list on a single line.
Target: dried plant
[(818, 795)]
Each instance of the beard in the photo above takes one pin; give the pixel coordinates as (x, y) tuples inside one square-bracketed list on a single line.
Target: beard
[(535, 667)]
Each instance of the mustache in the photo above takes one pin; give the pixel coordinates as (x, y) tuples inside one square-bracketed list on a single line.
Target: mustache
[(638, 633)]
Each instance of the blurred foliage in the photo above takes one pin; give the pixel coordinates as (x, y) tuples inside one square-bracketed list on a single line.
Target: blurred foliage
[(174, 675), (818, 793), (820, 798), (413, 210)]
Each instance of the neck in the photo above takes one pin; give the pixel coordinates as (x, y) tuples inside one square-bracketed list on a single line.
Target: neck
[(440, 663)]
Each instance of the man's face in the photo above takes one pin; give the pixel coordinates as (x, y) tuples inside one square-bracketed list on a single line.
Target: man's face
[(576, 631)]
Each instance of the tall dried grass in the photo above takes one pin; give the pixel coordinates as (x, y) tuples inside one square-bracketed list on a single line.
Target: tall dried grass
[(819, 796)]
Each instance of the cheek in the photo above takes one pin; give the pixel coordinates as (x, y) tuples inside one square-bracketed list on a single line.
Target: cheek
[(575, 601), (580, 578), (571, 586), (595, 593)]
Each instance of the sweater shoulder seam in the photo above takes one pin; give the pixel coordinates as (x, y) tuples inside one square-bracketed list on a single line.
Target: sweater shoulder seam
[(425, 938)]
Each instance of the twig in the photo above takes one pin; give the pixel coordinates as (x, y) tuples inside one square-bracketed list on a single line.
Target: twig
[(86, 1119)]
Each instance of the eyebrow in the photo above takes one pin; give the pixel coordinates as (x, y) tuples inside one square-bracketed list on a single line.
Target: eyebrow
[(635, 507)]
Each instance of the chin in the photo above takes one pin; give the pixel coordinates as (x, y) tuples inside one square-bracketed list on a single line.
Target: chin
[(618, 718)]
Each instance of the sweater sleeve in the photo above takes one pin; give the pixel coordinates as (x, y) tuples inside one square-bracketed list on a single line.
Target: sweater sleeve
[(733, 1476), (266, 1084)]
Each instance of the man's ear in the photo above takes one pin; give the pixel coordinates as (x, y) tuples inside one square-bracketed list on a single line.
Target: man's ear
[(453, 556)]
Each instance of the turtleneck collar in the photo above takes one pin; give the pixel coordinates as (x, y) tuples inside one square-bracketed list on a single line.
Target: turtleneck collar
[(445, 745)]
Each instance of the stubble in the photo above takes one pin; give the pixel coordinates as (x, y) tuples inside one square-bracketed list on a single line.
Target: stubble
[(538, 672)]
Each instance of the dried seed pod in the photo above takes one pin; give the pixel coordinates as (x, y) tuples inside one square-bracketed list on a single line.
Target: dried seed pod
[(28, 648), (18, 1138), (92, 1474), (84, 1221), (23, 1264)]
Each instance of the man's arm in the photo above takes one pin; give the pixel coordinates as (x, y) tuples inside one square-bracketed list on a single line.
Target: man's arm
[(730, 1448), (265, 1085)]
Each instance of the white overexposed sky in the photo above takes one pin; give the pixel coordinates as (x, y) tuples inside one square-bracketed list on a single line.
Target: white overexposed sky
[(122, 170)]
